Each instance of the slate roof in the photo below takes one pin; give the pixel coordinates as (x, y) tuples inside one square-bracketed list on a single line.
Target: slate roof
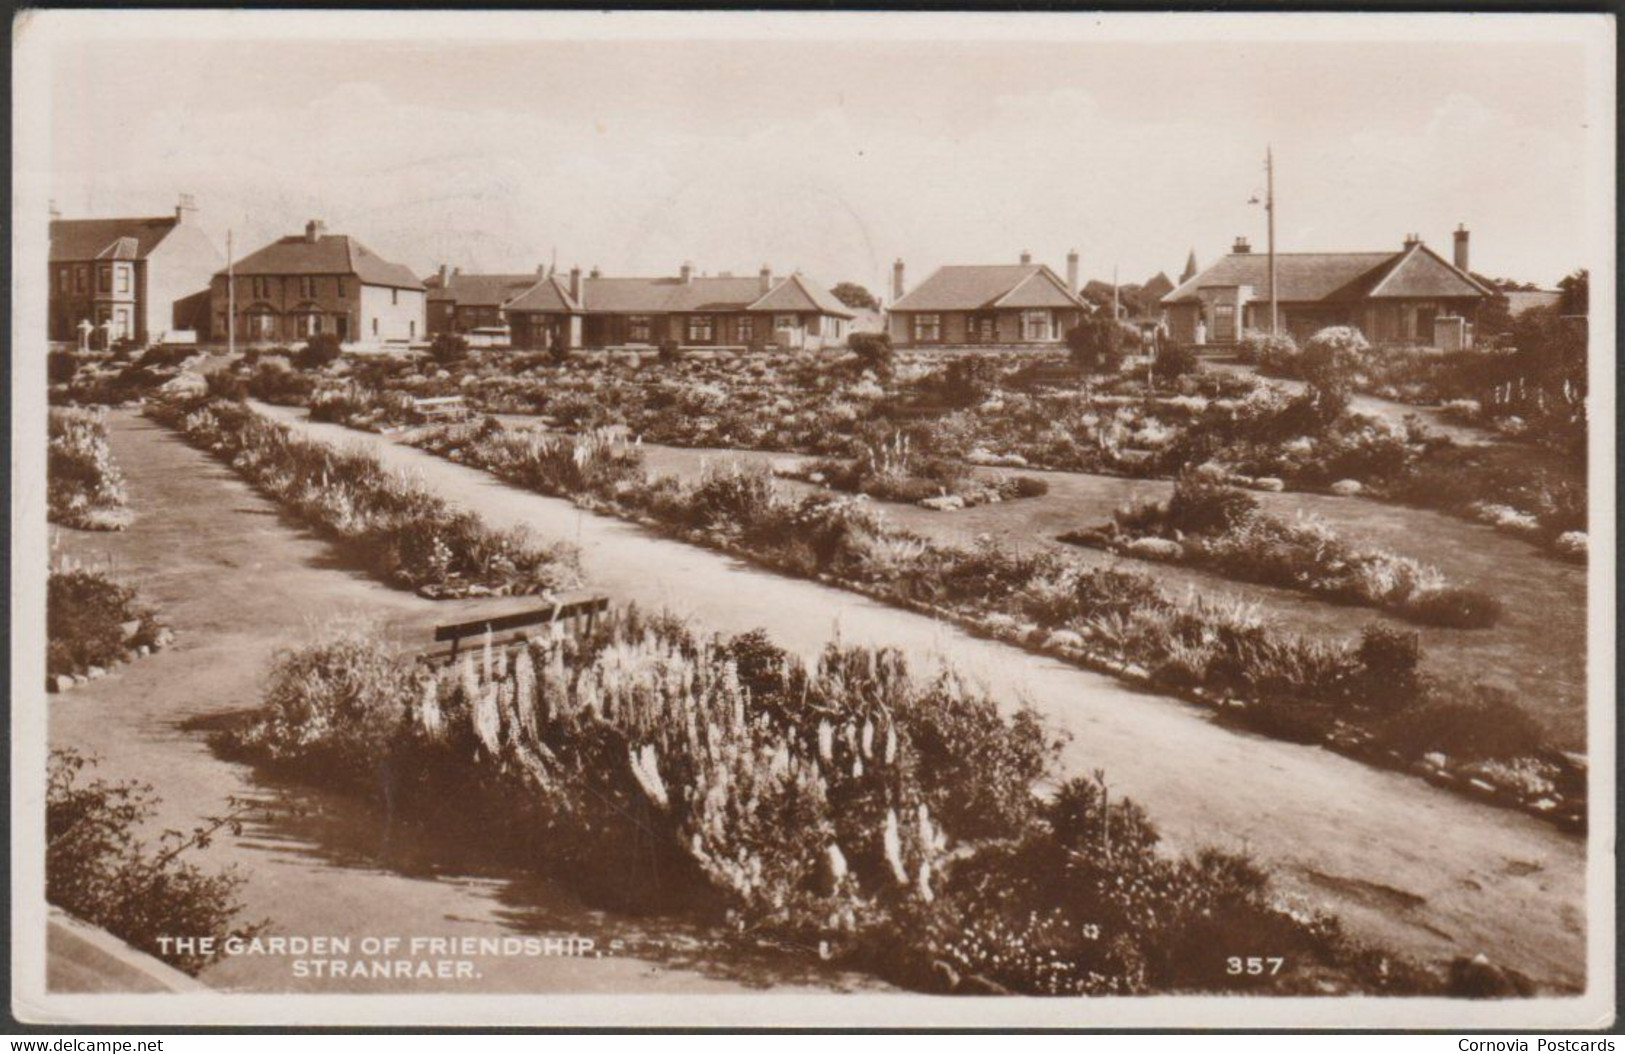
[(1415, 271), (479, 290), (987, 286), (108, 239), (327, 254), (659, 296)]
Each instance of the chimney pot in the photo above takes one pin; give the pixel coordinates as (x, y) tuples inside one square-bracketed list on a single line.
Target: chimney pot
[(897, 280), (443, 272), (1026, 257), (541, 269), (686, 272), (766, 279), (595, 273), (1462, 257), (575, 284), (56, 213), (1242, 245), (1072, 271), (314, 230)]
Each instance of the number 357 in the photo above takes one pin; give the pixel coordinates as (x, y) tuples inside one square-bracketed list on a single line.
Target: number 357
[(1254, 965)]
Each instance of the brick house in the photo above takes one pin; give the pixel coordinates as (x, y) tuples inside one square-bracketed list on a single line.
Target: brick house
[(986, 305), (316, 282), (696, 311), (1412, 296), (461, 303), (134, 279)]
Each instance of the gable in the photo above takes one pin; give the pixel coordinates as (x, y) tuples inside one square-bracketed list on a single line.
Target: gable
[(1421, 273), (982, 287), (109, 239), (1042, 289)]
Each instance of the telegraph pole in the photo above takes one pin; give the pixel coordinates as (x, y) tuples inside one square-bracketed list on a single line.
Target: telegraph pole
[(231, 299), (1269, 207)]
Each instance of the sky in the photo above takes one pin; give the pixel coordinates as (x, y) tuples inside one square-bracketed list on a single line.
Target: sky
[(833, 157)]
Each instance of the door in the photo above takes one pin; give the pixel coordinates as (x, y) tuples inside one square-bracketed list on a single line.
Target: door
[(1224, 323), (341, 326)]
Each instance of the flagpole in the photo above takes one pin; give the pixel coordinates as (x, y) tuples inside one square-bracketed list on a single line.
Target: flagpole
[(1269, 207)]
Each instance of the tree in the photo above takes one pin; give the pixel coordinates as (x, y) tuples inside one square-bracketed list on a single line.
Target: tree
[(1328, 364), (856, 297), (1576, 293)]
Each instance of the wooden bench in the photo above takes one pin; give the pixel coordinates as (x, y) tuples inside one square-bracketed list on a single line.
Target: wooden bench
[(577, 612), (449, 406)]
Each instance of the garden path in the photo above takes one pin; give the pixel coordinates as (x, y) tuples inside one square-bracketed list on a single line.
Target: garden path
[(1420, 869), (237, 581)]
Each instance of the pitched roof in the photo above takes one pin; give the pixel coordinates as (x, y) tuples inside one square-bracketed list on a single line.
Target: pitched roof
[(108, 239), (1415, 271), (326, 254), (479, 290), (1157, 286), (546, 295), (985, 286), (796, 293), (659, 296)]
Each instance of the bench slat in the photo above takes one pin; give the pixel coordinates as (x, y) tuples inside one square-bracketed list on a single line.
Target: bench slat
[(534, 617)]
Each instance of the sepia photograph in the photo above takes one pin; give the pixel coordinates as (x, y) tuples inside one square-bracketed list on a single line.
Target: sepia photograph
[(818, 520)]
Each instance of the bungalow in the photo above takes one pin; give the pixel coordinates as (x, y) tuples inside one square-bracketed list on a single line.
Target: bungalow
[(988, 304), (462, 303), (695, 311), (1412, 296), (304, 285), (129, 279)]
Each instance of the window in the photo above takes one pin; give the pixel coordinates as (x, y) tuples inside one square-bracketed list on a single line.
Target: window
[(262, 288), (341, 285), (412, 329), (310, 324), (746, 328), (785, 322), (1035, 325), (394, 296), (262, 325), (104, 279), (927, 329), (81, 279), (699, 329), (375, 325), (123, 279), (638, 329), (307, 286), (62, 279)]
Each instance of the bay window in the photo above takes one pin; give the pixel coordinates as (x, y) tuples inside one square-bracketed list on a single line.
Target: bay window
[(1035, 325), (927, 329)]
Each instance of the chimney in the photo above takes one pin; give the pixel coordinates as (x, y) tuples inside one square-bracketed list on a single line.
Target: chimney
[(456, 271), (56, 213), (314, 230), (1242, 245), (541, 270), (575, 284), (443, 273), (765, 279), (186, 204), (1072, 271), (897, 280), (1026, 257), (1462, 235), (595, 273), (1412, 240), (685, 274)]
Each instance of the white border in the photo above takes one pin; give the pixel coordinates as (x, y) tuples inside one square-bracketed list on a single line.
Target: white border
[(35, 33)]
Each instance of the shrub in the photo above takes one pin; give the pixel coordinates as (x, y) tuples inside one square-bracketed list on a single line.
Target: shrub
[(874, 353), (85, 488), (1175, 361), (224, 384), (97, 870), (669, 351), (1390, 659), (969, 379), (1096, 344), (319, 351), (1455, 607), (1275, 354), (60, 366), (1328, 365), (87, 619), (1486, 723), (448, 349), (1207, 508), (275, 383)]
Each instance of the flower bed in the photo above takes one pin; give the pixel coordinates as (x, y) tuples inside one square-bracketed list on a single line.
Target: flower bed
[(885, 818), (405, 535), (1351, 697), (92, 624), (85, 488), (889, 471), (1222, 530)]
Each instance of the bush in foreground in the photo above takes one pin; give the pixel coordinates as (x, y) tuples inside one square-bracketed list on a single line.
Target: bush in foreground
[(97, 870), (85, 488), (91, 620)]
